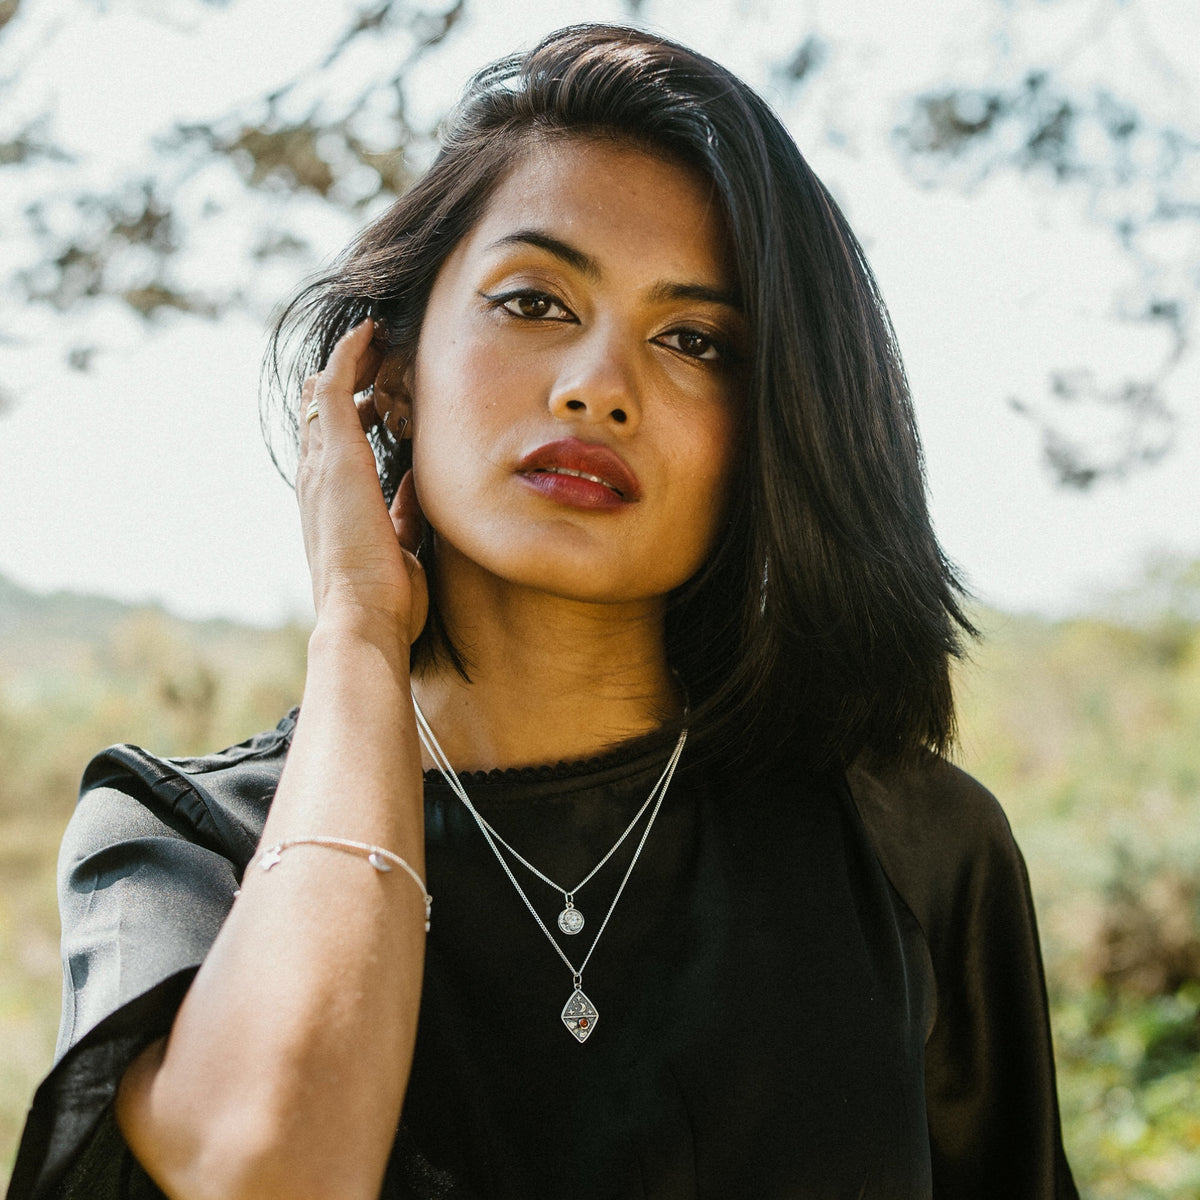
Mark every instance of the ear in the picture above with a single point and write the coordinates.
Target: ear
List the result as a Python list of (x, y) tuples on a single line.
[(393, 400)]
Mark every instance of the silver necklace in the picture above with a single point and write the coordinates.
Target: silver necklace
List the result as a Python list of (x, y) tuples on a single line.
[(571, 920), (579, 1014)]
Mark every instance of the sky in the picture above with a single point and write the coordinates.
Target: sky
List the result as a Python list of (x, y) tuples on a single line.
[(146, 477)]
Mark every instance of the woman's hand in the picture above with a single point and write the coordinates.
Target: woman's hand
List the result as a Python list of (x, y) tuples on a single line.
[(361, 556), (319, 963)]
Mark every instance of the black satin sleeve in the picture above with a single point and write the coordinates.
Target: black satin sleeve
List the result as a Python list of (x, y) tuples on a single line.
[(147, 873), (991, 1099)]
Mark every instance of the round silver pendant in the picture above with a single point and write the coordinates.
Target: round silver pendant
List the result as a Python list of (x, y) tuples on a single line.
[(570, 920)]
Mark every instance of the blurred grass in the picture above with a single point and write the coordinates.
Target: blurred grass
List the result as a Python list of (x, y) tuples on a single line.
[(1088, 730), (77, 674)]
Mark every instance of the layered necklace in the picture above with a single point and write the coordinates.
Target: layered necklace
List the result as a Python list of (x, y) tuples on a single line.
[(579, 1014)]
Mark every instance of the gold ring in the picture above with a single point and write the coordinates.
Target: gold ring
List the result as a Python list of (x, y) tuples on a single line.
[(313, 411)]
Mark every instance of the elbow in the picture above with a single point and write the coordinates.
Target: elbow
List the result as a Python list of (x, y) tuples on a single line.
[(202, 1150), (265, 1167), (244, 1158)]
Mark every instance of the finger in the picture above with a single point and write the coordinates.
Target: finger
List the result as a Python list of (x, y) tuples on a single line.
[(307, 394), (351, 359), (406, 515), (369, 362)]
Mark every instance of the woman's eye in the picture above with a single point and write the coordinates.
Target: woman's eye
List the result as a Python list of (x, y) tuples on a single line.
[(533, 306), (694, 344)]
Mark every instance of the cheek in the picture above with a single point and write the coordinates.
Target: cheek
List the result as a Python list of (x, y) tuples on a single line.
[(708, 467), (716, 453), (472, 384)]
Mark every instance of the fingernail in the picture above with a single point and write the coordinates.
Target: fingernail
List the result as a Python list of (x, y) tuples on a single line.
[(357, 328)]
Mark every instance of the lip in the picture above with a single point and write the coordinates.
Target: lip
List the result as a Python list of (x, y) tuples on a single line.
[(582, 474)]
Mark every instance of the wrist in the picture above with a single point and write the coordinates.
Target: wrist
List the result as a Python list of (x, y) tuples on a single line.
[(347, 630)]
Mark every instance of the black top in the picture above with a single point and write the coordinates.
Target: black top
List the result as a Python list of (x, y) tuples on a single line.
[(810, 988)]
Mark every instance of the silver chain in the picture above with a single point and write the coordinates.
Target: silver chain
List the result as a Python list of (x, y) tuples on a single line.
[(430, 742), (615, 847)]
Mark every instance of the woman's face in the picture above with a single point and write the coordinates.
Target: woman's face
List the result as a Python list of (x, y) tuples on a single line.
[(575, 394)]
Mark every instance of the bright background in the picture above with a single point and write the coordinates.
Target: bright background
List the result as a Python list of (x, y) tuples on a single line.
[(145, 476)]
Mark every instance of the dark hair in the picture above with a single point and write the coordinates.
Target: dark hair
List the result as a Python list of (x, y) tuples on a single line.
[(824, 623)]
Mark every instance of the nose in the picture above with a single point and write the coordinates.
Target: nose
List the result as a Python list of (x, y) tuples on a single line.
[(597, 380)]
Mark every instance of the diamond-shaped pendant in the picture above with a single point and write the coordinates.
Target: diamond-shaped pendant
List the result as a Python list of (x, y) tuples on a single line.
[(580, 1016)]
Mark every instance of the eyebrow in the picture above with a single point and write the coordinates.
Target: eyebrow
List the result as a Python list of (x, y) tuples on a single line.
[(587, 265), (572, 256), (695, 291)]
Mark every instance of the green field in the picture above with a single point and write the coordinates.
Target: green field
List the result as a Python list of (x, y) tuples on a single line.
[(1087, 730)]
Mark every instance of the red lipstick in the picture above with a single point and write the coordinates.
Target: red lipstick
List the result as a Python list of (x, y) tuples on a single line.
[(580, 475)]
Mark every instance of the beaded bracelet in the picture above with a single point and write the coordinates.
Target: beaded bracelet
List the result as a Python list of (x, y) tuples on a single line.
[(267, 856)]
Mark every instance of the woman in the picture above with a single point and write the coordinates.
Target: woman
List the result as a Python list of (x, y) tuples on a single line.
[(658, 581)]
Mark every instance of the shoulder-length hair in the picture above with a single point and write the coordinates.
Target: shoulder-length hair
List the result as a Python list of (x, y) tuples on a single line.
[(823, 625)]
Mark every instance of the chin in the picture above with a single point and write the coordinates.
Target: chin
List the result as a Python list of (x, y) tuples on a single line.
[(565, 562), (587, 586)]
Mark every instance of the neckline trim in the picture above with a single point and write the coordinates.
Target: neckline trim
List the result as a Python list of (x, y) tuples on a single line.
[(647, 747)]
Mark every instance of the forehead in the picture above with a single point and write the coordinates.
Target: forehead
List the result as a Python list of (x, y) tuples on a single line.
[(608, 195)]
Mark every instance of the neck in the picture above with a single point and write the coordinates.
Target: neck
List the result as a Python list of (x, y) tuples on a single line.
[(550, 679)]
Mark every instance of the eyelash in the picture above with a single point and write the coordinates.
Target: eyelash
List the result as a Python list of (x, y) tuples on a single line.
[(505, 300), (717, 350)]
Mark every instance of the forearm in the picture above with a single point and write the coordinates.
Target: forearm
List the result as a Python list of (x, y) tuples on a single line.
[(285, 1070)]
